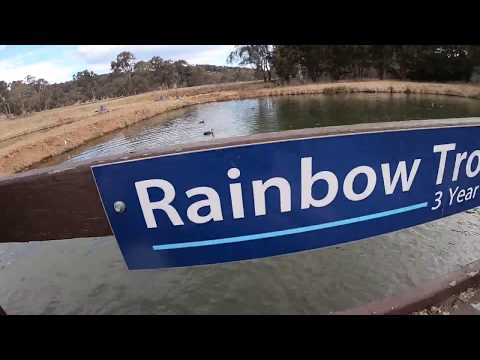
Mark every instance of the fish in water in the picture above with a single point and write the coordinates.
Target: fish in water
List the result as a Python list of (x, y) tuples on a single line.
[(210, 132), (202, 122)]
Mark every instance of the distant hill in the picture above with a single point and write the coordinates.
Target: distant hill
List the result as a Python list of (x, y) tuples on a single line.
[(31, 95)]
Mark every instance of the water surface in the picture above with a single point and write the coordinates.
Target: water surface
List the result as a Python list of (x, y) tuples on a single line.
[(247, 117), (88, 276)]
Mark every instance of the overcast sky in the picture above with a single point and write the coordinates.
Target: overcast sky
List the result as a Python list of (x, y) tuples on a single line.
[(58, 63)]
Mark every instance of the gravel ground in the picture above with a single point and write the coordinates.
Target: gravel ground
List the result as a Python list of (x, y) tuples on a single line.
[(465, 303)]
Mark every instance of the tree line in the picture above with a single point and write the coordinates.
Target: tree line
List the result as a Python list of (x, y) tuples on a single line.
[(283, 62), (337, 62), (127, 77)]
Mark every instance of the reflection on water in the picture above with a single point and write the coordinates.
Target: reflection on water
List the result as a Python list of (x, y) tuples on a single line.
[(88, 276)]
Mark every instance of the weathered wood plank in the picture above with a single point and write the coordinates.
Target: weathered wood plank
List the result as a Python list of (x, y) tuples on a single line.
[(62, 202), (51, 205)]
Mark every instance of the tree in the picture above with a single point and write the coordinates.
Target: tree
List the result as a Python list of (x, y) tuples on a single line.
[(339, 60), (143, 66), (29, 79), (361, 60), (183, 73), (198, 76), (381, 59), (435, 62), (87, 81), (127, 77), (4, 98), (124, 63), (19, 95), (164, 71), (41, 98), (286, 61), (260, 56), (422, 63)]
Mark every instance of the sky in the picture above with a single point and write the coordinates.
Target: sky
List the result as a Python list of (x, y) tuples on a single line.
[(58, 63)]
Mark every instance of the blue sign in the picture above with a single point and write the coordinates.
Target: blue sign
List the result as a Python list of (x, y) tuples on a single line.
[(259, 200)]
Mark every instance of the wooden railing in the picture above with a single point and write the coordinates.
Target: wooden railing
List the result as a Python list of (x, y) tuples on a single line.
[(62, 202)]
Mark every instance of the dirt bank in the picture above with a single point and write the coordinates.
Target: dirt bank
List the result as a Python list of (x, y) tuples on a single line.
[(31, 139)]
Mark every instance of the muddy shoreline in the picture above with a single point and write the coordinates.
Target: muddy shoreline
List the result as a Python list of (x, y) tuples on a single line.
[(27, 141)]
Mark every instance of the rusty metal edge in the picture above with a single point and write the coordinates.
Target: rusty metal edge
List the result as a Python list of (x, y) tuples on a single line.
[(421, 297)]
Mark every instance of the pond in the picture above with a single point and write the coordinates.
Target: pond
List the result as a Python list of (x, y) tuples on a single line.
[(89, 276), (247, 117)]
